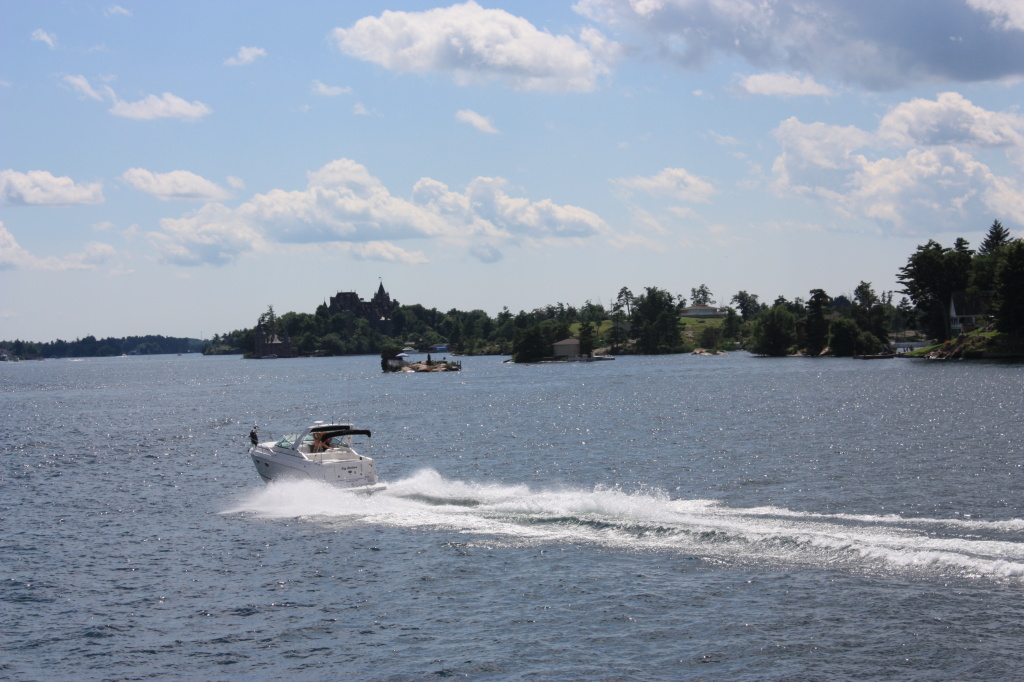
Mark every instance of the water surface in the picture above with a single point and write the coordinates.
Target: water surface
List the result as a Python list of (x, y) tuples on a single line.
[(678, 517)]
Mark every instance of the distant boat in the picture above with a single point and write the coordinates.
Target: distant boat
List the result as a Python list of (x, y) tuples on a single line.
[(879, 356)]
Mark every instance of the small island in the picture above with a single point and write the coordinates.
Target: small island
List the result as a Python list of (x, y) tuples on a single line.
[(392, 361)]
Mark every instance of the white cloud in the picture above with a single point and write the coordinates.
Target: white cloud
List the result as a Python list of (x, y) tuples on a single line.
[(80, 84), (481, 123), (912, 172), (1007, 15), (117, 10), (245, 55), (478, 45), (177, 185), (853, 42), (236, 183), (329, 90), (41, 188), (14, 257), (677, 183), (42, 36), (164, 106), (213, 235), (345, 205), (782, 84), (951, 119), (386, 252)]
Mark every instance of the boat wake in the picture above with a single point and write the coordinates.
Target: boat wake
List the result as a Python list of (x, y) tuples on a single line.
[(651, 521)]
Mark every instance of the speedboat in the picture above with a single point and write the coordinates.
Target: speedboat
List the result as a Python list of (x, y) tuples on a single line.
[(322, 452)]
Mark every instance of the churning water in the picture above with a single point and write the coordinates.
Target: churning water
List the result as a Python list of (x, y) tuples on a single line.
[(650, 518)]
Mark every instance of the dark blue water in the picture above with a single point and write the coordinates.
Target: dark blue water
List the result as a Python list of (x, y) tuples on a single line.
[(649, 518)]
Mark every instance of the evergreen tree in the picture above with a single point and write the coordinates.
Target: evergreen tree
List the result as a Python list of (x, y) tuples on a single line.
[(586, 339), (816, 326), (656, 322), (774, 332), (930, 277), (842, 337), (731, 325), (997, 237), (1010, 289)]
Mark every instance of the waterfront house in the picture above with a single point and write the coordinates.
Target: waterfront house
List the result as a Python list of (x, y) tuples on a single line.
[(967, 312), (566, 349)]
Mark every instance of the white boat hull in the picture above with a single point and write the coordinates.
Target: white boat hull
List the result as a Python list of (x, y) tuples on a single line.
[(344, 473), (304, 457)]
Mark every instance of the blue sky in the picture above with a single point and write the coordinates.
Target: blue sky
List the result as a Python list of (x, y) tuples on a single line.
[(175, 168)]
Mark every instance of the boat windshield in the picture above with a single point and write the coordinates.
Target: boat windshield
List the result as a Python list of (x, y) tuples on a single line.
[(287, 441)]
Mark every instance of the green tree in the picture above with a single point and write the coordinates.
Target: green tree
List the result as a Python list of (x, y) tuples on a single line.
[(731, 325), (869, 312), (625, 301), (774, 332), (701, 295), (842, 337), (1010, 289), (748, 305), (996, 238), (816, 327), (586, 339), (656, 322), (930, 277)]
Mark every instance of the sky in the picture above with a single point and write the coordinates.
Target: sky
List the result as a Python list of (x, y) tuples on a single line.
[(175, 168)]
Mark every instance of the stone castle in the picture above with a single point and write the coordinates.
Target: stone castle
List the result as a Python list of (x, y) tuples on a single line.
[(378, 311)]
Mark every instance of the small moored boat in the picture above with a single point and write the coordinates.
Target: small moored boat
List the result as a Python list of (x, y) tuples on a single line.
[(322, 452)]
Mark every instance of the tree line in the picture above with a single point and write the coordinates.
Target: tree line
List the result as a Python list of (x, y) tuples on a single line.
[(90, 347), (651, 322)]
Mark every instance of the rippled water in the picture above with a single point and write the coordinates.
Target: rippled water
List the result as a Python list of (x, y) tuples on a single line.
[(649, 518)]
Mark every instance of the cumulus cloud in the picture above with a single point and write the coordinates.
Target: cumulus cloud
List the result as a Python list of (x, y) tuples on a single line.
[(951, 119), (853, 42), (14, 257), (166, 105), (245, 55), (782, 84), (163, 106), (213, 235), (481, 123), (344, 205), (177, 185), (916, 172), (41, 188), (478, 45), (319, 88), (42, 36), (677, 183)]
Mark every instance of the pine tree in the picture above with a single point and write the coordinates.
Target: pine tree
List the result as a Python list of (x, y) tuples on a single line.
[(997, 237)]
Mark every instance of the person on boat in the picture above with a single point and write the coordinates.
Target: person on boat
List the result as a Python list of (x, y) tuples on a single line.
[(253, 438)]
